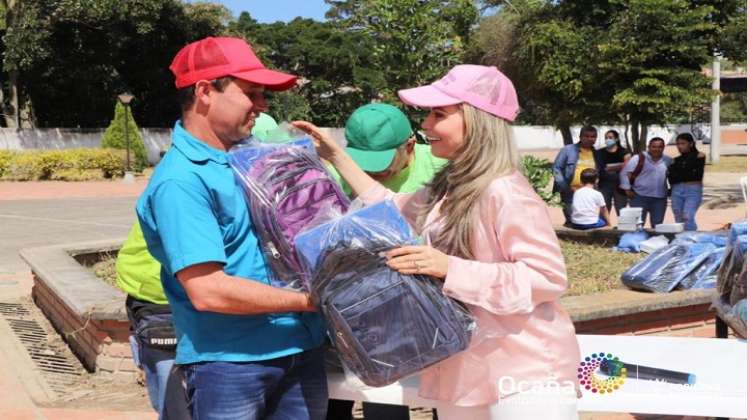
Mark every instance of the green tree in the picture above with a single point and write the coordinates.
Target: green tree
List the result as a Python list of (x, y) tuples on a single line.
[(73, 56), (334, 67), (114, 137), (651, 57), (413, 41), (636, 62)]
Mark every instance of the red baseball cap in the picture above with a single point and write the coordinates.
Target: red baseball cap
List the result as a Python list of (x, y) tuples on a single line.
[(213, 58)]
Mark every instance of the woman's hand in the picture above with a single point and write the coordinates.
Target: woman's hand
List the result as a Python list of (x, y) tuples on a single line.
[(326, 147), (419, 259)]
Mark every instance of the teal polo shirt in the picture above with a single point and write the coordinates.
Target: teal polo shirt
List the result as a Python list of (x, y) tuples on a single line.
[(194, 211)]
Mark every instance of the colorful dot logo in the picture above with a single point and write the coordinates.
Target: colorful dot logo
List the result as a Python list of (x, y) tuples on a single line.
[(612, 378)]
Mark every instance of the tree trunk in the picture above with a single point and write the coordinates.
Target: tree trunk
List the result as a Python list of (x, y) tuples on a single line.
[(565, 131), (11, 111), (644, 137), (634, 132)]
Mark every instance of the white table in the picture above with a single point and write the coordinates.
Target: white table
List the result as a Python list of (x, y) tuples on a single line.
[(720, 367)]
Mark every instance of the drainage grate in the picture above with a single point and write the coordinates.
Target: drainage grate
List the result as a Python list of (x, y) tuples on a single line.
[(59, 367), (13, 309)]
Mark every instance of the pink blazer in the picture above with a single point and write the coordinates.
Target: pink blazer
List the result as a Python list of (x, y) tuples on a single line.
[(524, 336)]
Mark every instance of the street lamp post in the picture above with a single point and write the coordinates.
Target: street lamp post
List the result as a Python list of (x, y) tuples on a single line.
[(126, 98)]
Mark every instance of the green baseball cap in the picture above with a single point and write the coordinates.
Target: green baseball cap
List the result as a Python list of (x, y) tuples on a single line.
[(374, 132), (263, 125)]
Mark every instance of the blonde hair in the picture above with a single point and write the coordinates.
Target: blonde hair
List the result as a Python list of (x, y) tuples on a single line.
[(489, 151)]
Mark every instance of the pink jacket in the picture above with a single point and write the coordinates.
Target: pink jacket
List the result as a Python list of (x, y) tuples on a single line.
[(512, 288)]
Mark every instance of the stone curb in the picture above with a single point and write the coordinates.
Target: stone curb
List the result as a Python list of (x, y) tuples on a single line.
[(79, 288)]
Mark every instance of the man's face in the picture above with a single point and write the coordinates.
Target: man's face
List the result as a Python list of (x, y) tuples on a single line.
[(588, 139), (399, 163), (656, 149), (232, 112)]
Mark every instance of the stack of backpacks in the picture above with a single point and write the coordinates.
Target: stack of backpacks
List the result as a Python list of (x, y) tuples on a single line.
[(311, 244)]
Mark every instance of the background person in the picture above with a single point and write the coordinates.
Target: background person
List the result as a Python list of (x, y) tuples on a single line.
[(613, 158), (686, 179), (491, 241), (589, 210), (646, 185), (568, 164)]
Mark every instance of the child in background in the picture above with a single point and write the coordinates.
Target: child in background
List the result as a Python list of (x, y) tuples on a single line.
[(589, 210)]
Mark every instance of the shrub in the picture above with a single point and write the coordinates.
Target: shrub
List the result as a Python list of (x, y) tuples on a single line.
[(539, 173), (5, 157), (114, 138), (65, 165)]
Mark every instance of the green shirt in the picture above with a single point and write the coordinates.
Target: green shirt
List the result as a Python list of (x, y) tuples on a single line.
[(418, 173), (138, 273)]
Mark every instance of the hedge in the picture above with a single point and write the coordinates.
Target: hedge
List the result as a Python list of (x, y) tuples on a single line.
[(62, 165)]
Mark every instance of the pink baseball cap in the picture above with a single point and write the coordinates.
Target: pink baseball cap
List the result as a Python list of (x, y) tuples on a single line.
[(212, 58), (483, 87)]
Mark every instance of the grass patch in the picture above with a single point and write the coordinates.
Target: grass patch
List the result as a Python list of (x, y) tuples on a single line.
[(733, 164), (594, 268), (106, 269)]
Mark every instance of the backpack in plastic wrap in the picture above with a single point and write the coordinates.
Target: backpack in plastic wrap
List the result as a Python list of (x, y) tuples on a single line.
[(288, 188), (664, 269), (384, 324)]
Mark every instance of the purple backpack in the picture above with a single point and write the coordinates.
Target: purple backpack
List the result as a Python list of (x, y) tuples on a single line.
[(287, 188)]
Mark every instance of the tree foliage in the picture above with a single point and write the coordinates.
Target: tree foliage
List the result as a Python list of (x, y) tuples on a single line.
[(114, 137), (635, 62), (413, 41), (74, 56)]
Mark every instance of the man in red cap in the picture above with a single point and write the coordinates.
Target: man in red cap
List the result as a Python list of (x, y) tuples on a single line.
[(247, 350)]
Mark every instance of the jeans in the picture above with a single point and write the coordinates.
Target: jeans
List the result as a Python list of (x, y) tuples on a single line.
[(612, 193), (156, 364), (655, 207), (599, 224), (292, 387), (686, 199)]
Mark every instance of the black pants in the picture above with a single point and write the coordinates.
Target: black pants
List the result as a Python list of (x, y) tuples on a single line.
[(343, 410)]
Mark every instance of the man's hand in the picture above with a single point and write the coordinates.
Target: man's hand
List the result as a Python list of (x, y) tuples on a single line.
[(630, 194)]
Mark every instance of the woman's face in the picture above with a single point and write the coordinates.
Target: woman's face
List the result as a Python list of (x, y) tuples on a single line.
[(683, 146), (446, 131)]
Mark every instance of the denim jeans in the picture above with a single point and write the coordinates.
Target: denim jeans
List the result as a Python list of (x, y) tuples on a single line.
[(292, 387), (655, 207), (686, 199), (599, 224), (156, 364)]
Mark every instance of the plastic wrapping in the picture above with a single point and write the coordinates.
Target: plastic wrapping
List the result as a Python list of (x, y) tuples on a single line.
[(732, 276), (288, 188), (631, 242), (384, 324), (717, 238), (663, 270), (704, 275)]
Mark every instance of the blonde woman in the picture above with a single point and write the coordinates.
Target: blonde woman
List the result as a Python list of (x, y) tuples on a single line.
[(491, 241)]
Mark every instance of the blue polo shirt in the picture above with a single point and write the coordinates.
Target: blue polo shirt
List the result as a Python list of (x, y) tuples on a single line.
[(194, 211)]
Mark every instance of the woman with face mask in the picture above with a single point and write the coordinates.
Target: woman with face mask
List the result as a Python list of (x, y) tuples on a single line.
[(614, 157), (491, 241), (686, 179)]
